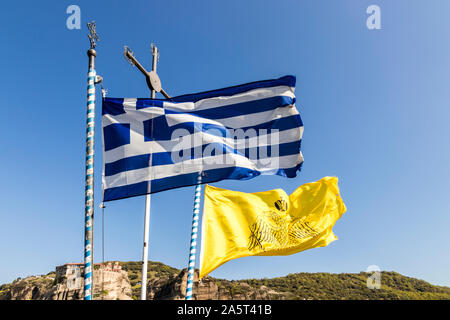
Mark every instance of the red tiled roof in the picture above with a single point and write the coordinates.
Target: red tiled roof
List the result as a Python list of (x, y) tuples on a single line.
[(79, 264)]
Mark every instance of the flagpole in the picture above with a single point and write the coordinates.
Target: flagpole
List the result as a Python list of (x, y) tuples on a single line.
[(154, 84), (194, 233), (89, 174), (148, 202)]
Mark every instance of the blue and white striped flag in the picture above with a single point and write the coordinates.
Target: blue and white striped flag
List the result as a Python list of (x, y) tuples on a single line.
[(238, 133)]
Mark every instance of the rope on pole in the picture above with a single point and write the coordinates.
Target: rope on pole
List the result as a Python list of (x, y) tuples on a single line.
[(194, 233), (89, 176), (89, 188)]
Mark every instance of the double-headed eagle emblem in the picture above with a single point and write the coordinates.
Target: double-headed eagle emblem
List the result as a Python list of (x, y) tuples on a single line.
[(279, 228)]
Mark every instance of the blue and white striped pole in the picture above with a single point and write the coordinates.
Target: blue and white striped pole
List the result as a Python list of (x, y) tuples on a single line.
[(89, 187), (194, 234)]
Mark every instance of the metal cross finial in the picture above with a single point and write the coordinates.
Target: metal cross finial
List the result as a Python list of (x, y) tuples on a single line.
[(93, 36), (152, 79)]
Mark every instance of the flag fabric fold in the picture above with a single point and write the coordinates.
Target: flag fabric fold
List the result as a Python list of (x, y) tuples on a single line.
[(237, 224), (240, 132)]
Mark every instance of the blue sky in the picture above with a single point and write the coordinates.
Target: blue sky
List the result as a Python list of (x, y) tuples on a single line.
[(375, 104)]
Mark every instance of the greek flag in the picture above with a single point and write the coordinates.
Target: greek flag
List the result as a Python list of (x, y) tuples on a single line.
[(240, 132)]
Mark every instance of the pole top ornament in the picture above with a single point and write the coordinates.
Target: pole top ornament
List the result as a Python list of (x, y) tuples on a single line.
[(93, 37)]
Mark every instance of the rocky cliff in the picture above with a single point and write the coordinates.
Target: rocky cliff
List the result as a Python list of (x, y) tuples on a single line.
[(108, 285), (208, 288)]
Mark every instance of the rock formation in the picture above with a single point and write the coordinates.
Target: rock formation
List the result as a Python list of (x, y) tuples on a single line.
[(67, 284), (174, 288)]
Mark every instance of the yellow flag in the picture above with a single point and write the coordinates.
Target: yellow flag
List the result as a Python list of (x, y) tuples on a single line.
[(237, 224)]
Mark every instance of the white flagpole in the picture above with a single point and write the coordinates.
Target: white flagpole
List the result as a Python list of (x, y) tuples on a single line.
[(154, 84), (147, 203)]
